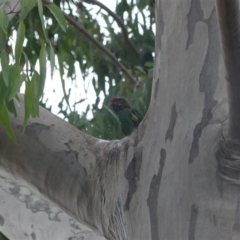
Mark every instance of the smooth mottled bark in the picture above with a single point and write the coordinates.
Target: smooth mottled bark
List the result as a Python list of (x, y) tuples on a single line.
[(173, 177), (25, 215)]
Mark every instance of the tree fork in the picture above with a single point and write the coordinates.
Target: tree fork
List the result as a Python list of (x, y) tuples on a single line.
[(91, 166)]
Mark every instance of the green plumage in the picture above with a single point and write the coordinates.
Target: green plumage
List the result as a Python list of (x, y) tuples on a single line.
[(128, 116)]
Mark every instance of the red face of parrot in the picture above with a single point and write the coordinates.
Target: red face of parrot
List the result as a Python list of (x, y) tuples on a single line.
[(118, 103)]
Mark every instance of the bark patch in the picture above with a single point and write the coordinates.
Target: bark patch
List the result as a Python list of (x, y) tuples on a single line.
[(74, 224), (219, 183), (193, 222), (33, 235), (237, 216), (214, 220), (195, 15), (33, 204), (173, 119), (15, 190), (160, 24), (35, 129), (78, 176), (152, 200), (207, 83), (156, 88), (132, 175), (1, 220)]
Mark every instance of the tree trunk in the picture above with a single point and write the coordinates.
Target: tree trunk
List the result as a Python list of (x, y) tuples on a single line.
[(162, 182)]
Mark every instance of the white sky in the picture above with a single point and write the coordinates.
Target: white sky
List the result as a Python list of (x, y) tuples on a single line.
[(79, 89)]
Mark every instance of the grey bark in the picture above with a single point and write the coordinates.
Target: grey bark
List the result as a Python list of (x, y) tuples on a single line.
[(26, 216), (229, 20), (176, 177)]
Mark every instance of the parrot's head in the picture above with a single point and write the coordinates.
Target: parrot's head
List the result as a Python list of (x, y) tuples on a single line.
[(118, 104)]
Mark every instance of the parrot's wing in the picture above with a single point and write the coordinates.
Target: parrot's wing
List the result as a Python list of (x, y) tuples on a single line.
[(125, 118), (125, 133), (129, 119), (136, 116)]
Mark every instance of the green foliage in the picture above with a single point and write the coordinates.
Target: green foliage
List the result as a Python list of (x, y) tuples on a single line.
[(3, 28), (26, 7), (58, 15), (3, 19), (19, 42), (3, 38), (40, 11), (49, 37), (5, 66), (4, 118), (3, 237), (21, 68)]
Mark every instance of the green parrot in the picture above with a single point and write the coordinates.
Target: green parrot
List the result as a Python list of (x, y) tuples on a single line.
[(128, 116)]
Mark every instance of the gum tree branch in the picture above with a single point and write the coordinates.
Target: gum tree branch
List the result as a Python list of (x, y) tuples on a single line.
[(229, 22), (84, 32), (87, 35), (119, 22)]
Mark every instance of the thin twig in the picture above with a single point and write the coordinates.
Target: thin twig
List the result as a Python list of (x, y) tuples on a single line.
[(84, 32), (119, 22)]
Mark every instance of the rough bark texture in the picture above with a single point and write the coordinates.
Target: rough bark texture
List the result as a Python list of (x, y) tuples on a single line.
[(163, 182)]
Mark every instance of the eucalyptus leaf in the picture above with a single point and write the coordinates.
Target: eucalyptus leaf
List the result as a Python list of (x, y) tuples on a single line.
[(3, 237), (36, 85), (29, 99), (19, 42), (4, 119), (3, 91), (3, 18), (5, 66), (11, 107), (3, 38), (61, 69), (52, 60), (58, 15), (43, 70), (40, 11), (26, 7), (16, 84)]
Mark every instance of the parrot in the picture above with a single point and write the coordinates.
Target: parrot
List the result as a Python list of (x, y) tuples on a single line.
[(128, 116)]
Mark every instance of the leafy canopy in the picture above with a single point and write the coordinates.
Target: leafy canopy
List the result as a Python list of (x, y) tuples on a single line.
[(116, 54)]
